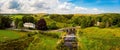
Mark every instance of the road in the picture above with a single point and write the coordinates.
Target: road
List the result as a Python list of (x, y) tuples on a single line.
[(62, 29), (58, 30)]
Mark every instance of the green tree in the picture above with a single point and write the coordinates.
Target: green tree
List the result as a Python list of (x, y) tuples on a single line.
[(68, 16), (20, 24), (28, 18), (58, 18), (83, 22), (52, 25), (90, 21), (5, 22), (17, 20)]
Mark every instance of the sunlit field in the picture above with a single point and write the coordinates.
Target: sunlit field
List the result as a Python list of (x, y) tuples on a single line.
[(43, 43), (94, 38), (9, 35)]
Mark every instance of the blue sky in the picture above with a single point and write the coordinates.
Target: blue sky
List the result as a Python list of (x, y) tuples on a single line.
[(60, 6), (94, 3), (107, 5)]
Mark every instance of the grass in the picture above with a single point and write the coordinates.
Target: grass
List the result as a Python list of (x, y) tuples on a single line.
[(17, 16), (94, 38), (102, 32), (9, 35), (42, 42), (48, 43), (53, 34)]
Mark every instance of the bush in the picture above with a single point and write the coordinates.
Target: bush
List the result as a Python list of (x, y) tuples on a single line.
[(52, 26), (53, 35), (102, 25)]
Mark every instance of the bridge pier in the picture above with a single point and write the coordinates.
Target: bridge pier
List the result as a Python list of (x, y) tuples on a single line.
[(70, 40)]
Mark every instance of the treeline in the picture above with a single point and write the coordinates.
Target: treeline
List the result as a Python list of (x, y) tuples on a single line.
[(41, 21), (61, 18), (100, 20)]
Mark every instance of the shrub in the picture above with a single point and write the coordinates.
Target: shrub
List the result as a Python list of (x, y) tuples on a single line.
[(41, 25), (52, 26), (102, 25)]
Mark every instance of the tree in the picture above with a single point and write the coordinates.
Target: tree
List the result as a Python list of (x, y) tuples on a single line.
[(52, 26), (76, 21), (20, 24), (90, 21), (83, 23), (69, 16), (58, 18), (5, 22), (28, 18), (17, 20), (41, 24)]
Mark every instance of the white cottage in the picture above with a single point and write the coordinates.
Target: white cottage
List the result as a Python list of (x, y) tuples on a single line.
[(29, 25)]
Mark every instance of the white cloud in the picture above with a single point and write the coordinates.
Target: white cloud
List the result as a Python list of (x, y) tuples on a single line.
[(42, 6), (81, 8), (95, 9), (64, 6)]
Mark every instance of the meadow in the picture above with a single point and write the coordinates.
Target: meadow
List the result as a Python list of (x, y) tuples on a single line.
[(42, 42), (91, 38), (38, 40), (9, 35), (94, 38)]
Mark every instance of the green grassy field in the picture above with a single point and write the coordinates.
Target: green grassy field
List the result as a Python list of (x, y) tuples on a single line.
[(45, 41), (94, 38), (16, 16), (9, 35), (42, 42), (91, 38)]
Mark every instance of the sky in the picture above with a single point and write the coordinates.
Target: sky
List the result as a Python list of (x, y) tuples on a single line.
[(60, 6)]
